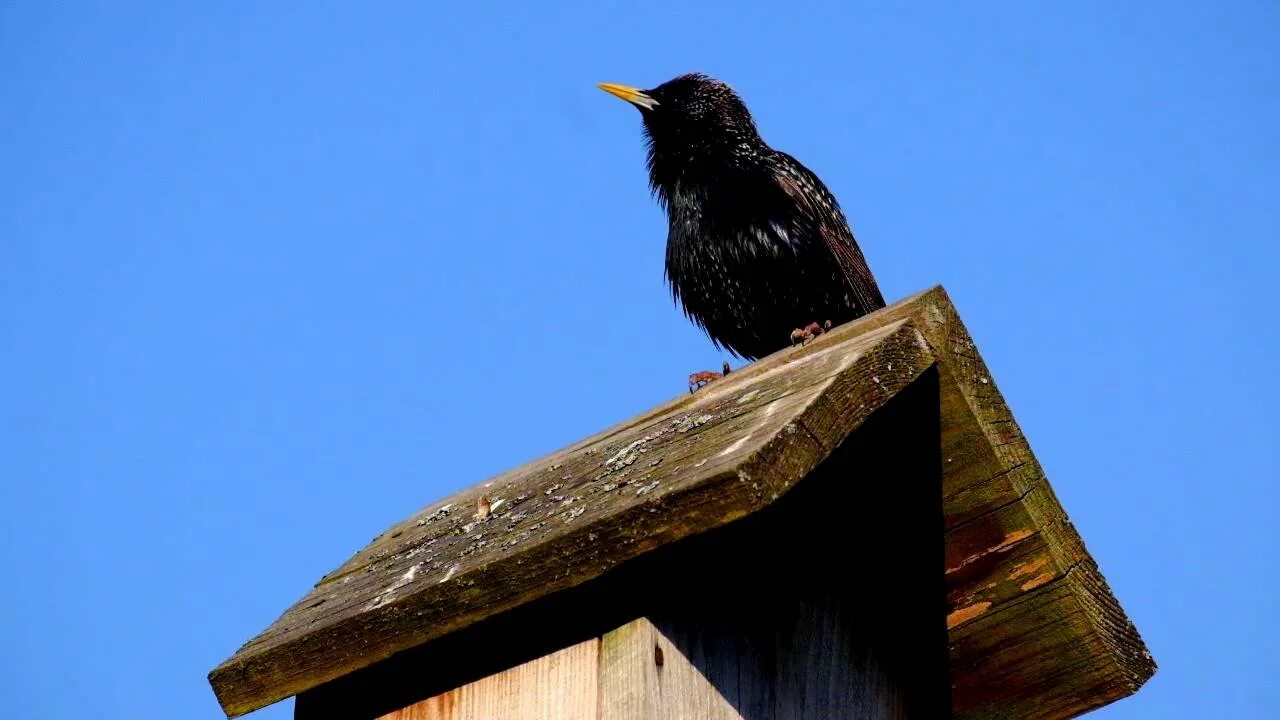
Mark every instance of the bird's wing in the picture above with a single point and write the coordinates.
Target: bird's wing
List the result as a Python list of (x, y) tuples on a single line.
[(824, 216)]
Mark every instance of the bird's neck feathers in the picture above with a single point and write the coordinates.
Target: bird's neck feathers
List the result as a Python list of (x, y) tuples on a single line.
[(692, 163)]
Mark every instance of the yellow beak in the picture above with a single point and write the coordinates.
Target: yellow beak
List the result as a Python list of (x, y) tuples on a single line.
[(635, 96)]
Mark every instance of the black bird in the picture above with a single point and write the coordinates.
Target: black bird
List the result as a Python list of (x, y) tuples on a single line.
[(756, 245)]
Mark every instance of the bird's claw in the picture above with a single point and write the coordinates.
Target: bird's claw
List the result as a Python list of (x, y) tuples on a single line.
[(801, 336), (701, 378)]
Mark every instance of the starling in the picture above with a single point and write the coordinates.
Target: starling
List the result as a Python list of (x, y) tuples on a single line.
[(756, 244)]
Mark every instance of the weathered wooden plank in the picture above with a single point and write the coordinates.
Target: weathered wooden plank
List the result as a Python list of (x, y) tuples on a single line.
[(700, 462), (743, 586), (562, 685), (711, 459), (802, 662), (607, 475), (629, 664), (1008, 536), (812, 665)]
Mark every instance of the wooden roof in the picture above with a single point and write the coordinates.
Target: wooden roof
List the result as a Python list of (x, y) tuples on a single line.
[(1033, 629)]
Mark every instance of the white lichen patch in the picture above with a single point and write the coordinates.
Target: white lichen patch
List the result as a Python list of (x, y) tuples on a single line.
[(689, 422), (389, 594), (406, 578), (440, 513), (735, 446), (631, 452), (627, 455)]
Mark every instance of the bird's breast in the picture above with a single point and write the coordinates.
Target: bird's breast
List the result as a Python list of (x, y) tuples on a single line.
[(722, 257)]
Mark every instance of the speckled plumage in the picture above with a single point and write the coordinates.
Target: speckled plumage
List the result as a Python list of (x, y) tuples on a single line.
[(757, 246)]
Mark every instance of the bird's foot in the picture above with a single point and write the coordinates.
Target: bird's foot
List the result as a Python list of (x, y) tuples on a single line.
[(801, 336), (701, 378)]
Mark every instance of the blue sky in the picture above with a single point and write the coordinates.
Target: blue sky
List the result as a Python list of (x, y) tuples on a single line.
[(273, 276)]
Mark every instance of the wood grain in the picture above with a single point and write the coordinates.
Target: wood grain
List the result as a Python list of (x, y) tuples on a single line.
[(727, 452), (813, 668), (1009, 543), (703, 461), (755, 607), (810, 667), (562, 685)]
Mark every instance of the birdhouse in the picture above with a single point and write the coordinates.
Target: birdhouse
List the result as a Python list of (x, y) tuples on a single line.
[(852, 528)]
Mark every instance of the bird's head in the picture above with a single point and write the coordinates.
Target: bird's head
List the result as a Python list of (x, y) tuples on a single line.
[(690, 118), (689, 105)]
